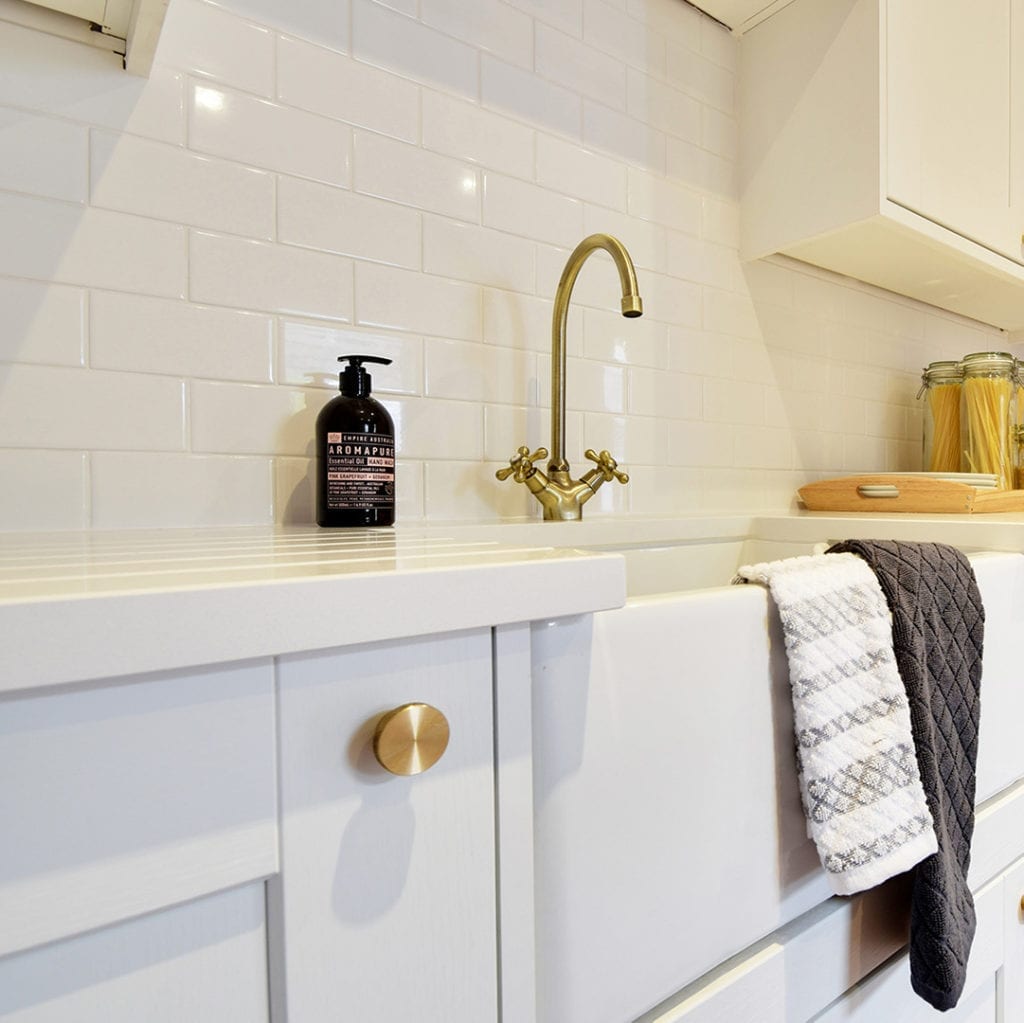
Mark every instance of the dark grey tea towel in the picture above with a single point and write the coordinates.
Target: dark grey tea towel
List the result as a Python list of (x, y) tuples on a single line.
[(938, 631)]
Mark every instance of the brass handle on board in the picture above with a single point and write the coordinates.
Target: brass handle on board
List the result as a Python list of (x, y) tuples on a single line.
[(410, 739)]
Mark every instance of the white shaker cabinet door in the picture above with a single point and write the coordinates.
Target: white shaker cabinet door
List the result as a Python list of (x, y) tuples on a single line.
[(950, 77), (1013, 903), (385, 908)]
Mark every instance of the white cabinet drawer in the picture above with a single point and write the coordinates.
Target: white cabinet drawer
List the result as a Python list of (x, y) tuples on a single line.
[(385, 906), (124, 797), (204, 962)]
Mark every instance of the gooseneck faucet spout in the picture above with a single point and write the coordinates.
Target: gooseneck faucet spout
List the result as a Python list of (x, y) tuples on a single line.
[(562, 497), (632, 305)]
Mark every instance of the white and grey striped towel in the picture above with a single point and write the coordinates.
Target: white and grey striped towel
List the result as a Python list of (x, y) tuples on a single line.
[(859, 779)]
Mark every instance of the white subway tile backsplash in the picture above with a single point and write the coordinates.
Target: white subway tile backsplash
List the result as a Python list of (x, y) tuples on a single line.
[(632, 342), (663, 202), (524, 209), (518, 93), (243, 419), (574, 64), (665, 395), (309, 355), (490, 25), (662, 106), (413, 50), (43, 489), (523, 321), (187, 255), (409, 175), (611, 29), (43, 323), (155, 335), (404, 300), (256, 131), (623, 136), (273, 278), (332, 219), (51, 407), (59, 77), (68, 244), (434, 428), (331, 83), (468, 132), (484, 373), (132, 491), (43, 156), (592, 176), (479, 255), (208, 41), (165, 182)]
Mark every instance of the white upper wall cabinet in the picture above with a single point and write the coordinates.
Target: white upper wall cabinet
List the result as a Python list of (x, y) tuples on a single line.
[(883, 141), (129, 28)]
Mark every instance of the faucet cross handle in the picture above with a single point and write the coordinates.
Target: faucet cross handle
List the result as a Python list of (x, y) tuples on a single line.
[(607, 466), (521, 464)]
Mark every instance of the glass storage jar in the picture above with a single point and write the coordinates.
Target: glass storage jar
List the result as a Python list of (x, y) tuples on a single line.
[(940, 435), (989, 419)]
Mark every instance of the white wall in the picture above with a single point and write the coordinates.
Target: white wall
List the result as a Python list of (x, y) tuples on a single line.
[(183, 258)]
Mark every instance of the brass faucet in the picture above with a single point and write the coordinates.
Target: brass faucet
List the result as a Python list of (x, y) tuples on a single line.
[(560, 495)]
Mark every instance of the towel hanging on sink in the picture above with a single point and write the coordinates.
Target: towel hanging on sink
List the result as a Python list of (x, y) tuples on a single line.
[(938, 628), (859, 779)]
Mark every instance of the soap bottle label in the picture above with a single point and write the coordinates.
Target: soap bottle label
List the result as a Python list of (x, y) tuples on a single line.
[(360, 471)]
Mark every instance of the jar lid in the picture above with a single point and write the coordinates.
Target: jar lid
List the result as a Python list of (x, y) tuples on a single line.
[(988, 362), (945, 369)]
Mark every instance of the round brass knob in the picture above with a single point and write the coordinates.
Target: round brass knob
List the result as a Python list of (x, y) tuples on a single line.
[(410, 739)]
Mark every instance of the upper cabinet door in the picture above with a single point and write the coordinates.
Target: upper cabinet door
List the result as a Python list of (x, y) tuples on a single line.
[(949, 108)]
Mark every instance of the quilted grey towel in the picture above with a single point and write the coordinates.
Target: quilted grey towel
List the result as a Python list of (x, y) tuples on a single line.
[(938, 625), (859, 782)]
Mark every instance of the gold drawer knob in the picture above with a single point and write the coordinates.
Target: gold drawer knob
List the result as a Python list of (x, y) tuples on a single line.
[(410, 739)]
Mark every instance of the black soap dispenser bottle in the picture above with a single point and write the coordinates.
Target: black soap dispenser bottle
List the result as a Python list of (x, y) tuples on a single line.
[(355, 453)]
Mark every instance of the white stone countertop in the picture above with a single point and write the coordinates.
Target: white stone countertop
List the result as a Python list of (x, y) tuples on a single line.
[(76, 606)]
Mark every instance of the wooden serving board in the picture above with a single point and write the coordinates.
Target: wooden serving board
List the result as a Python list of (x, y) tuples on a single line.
[(914, 494)]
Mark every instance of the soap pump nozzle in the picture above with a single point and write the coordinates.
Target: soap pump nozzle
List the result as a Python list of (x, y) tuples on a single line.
[(353, 380)]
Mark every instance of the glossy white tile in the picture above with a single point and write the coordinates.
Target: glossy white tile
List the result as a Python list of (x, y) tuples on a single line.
[(76, 409), (479, 373), (275, 278), (332, 219), (608, 337), (734, 401), (702, 262), (43, 490), (132, 491), (590, 386), (479, 255), (331, 83), (524, 321), (585, 173), (489, 25), (43, 156), (411, 176), (242, 419), (413, 50), (466, 491), (672, 300), (521, 208), (665, 395), (153, 335), (326, 21), (206, 40), (165, 182), (703, 79), (404, 300), (43, 323), (719, 133), (623, 136), (521, 94), (566, 15), (580, 67), (670, 18), (631, 440), (309, 356), (655, 198), (256, 131), (68, 244), (611, 29), (689, 164), (699, 444), (436, 428), (467, 132), (644, 239), (662, 106), (63, 78)]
